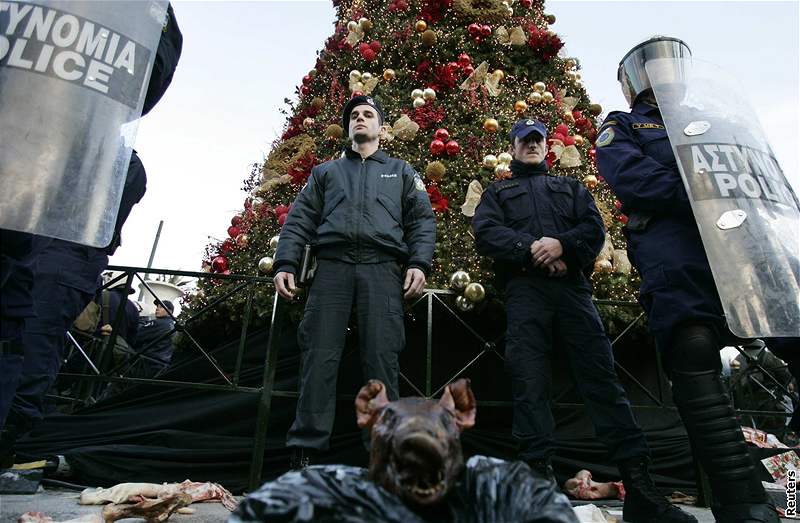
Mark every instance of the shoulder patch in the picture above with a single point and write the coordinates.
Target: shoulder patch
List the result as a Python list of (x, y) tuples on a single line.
[(506, 185), (605, 138), (418, 183)]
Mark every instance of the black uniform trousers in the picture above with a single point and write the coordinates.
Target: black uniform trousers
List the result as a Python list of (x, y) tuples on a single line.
[(546, 314), (376, 290)]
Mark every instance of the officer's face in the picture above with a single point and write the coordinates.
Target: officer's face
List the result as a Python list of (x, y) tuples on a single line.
[(530, 149), (365, 124), (161, 312)]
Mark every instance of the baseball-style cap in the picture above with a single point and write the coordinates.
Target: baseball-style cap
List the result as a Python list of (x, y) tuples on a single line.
[(167, 305), (355, 102), (523, 128)]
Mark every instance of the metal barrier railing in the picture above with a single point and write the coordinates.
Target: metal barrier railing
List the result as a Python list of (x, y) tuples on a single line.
[(106, 371)]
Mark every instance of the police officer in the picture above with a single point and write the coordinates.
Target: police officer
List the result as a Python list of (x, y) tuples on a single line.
[(45, 295), (544, 233), (372, 228), (677, 292)]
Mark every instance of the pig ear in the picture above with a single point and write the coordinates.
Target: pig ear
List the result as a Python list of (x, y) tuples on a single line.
[(371, 398), (458, 398)]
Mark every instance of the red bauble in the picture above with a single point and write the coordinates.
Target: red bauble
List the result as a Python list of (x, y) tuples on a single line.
[(618, 204), (526, 3), (282, 218), (577, 115), (369, 55), (281, 209), (357, 93), (561, 129), (452, 66), (219, 264), (227, 246), (486, 31), (441, 134), (306, 80), (464, 59), (437, 147), (569, 140), (363, 46), (468, 70), (474, 29), (304, 90), (375, 46), (236, 220), (582, 123), (452, 148), (623, 218), (593, 155), (234, 231)]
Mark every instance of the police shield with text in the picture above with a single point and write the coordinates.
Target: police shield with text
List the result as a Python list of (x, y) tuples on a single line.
[(711, 269)]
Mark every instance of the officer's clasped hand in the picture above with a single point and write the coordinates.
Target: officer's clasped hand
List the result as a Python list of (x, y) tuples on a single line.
[(284, 284), (557, 269), (545, 251), (414, 284)]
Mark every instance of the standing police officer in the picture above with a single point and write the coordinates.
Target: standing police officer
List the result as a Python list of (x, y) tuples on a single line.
[(677, 292), (543, 232), (370, 222)]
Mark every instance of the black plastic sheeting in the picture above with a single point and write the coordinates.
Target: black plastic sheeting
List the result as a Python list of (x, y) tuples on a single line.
[(489, 491), (164, 434)]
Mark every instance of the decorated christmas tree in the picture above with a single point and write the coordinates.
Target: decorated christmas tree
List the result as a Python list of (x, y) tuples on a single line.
[(452, 76)]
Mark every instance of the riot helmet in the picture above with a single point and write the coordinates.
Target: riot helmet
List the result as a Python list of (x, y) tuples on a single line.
[(633, 76)]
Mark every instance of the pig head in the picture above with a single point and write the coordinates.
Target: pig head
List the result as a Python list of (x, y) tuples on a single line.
[(416, 450)]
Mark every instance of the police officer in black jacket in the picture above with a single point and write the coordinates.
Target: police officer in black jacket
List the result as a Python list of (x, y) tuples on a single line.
[(544, 232), (370, 222)]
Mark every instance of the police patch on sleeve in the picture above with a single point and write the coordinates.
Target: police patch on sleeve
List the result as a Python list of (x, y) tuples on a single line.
[(418, 183), (605, 138)]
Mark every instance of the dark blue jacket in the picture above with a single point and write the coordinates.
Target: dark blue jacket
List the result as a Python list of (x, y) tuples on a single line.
[(513, 213), (155, 336), (360, 211)]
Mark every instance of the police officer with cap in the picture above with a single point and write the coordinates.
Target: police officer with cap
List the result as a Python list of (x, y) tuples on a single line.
[(372, 229), (677, 292), (544, 233)]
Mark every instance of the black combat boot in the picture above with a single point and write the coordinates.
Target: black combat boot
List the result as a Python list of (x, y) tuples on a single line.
[(644, 503), (717, 441), (302, 457), (543, 468), (8, 436)]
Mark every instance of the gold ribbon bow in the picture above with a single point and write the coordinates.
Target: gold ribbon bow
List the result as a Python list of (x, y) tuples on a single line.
[(481, 77), (473, 198), (515, 37)]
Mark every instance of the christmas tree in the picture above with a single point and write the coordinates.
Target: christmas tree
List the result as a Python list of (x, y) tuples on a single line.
[(452, 76)]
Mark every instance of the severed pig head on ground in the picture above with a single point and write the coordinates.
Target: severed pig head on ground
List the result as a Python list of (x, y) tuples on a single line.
[(416, 447)]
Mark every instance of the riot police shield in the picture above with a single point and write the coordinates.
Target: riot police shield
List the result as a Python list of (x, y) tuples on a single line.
[(746, 211), (73, 77)]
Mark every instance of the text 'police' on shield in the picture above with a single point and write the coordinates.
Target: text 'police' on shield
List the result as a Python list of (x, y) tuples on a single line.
[(63, 46)]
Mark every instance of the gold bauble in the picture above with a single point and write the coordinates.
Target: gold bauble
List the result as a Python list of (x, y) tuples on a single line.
[(578, 140), (308, 122), (421, 25), (459, 280), (572, 75), (603, 266), (273, 242), (520, 106), (334, 131), (265, 264), (569, 63), (595, 109), (535, 97), (366, 25), (568, 117), (366, 77), (590, 181), (551, 19), (547, 97), (500, 168), (490, 125), (499, 74), (578, 76), (388, 75), (435, 171), (463, 304), (474, 292), (429, 38), (242, 240), (355, 75), (317, 103), (505, 158), (416, 93), (419, 102), (429, 94), (540, 87), (490, 161), (352, 25)]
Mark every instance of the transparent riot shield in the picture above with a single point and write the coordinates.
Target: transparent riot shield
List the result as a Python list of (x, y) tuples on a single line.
[(746, 211), (73, 77)]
